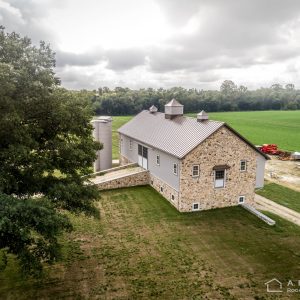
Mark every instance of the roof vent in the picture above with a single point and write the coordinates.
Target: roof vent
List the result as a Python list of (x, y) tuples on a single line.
[(153, 109), (173, 109), (202, 116)]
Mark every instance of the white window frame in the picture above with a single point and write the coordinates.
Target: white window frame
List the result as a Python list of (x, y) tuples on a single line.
[(157, 159), (193, 206), (198, 171), (130, 144), (239, 198), (243, 161), (175, 167), (224, 180)]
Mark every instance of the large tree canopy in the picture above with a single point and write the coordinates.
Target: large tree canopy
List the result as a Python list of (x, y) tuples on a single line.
[(46, 146)]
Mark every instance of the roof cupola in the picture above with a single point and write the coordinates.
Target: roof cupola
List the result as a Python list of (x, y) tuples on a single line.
[(173, 109)]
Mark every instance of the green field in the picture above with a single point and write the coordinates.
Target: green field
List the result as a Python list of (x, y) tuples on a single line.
[(143, 248), (282, 195), (260, 127)]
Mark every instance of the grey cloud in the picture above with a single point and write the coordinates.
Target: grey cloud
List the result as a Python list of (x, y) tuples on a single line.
[(125, 59), (26, 21), (73, 59), (178, 12), (232, 34)]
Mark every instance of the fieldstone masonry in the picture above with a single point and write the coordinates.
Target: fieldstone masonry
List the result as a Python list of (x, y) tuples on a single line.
[(167, 191), (222, 148), (139, 178)]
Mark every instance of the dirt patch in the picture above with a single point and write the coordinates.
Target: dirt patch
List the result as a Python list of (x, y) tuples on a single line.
[(286, 173)]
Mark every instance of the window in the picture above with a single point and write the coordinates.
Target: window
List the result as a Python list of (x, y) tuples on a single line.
[(219, 178), (175, 169), (161, 189), (157, 159), (243, 166), (151, 182), (130, 144), (140, 150), (172, 197), (242, 199), (195, 206), (196, 171)]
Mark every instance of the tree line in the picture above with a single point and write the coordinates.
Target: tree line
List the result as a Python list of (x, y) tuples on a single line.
[(230, 97)]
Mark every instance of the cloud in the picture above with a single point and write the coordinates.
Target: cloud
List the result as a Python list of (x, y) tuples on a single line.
[(201, 43), (125, 59), (91, 58)]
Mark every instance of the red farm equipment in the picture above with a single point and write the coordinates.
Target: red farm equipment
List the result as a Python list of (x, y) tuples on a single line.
[(270, 149)]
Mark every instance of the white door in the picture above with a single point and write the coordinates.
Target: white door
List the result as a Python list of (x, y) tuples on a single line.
[(143, 156)]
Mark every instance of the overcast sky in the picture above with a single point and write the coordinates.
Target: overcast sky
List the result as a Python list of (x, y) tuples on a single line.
[(164, 43)]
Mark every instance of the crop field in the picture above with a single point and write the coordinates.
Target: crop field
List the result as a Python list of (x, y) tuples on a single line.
[(260, 127), (143, 248)]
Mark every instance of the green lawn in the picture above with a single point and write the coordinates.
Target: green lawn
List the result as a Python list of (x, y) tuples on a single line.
[(260, 127), (282, 195), (116, 124), (142, 248)]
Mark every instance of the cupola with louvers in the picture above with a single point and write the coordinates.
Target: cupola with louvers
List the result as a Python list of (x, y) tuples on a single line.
[(173, 109)]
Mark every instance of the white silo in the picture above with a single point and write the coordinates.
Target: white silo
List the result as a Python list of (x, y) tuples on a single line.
[(103, 134)]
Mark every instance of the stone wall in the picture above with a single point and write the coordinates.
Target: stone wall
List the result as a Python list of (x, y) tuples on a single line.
[(166, 191), (124, 160), (221, 148), (139, 178)]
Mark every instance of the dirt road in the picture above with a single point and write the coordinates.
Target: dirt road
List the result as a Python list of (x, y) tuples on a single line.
[(263, 203), (286, 173)]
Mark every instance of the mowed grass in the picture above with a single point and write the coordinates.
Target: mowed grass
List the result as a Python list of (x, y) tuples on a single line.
[(260, 127), (266, 127), (282, 195), (143, 248), (118, 121)]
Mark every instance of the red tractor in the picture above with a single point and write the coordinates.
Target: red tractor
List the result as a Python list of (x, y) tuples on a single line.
[(270, 149)]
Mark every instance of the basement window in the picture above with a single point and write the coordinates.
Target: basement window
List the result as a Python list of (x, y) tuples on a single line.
[(241, 199), (157, 160), (195, 206), (243, 166), (172, 197), (161, 189), (175, 169), (196, 171)]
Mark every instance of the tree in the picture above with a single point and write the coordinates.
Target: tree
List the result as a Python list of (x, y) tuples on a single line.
[(46, 146), (228, 87)]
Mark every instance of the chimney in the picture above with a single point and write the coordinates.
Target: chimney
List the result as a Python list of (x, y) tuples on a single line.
[(153, 109), (173, 109), (202, 116)]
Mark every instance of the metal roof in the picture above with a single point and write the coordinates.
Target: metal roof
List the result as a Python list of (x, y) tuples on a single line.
[(173, 102), (177, 136)]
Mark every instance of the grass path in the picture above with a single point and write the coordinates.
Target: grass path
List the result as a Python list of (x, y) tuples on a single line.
[(142, 248), (281, 195)]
